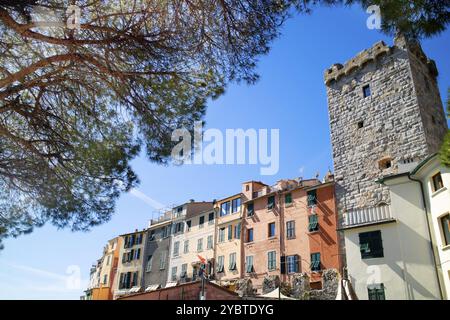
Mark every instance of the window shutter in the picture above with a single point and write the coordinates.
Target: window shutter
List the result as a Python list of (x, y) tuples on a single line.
[(296, 263), (230, 232), (283, 265)]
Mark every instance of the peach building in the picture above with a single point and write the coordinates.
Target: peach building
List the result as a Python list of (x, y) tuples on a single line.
[(286, 234), (228, 251)]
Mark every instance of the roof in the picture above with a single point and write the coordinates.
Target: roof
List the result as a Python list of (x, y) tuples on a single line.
[(196, 283), (138, 231), (423, 163), (276, 294), (410, 173)]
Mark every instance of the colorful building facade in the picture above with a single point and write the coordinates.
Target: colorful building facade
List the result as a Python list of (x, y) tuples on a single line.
[(228, 249)]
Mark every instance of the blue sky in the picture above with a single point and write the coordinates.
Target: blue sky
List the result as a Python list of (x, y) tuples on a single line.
[(290, 96)]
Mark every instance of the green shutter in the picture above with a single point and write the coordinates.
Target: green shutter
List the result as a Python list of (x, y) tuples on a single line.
[(288, 198), (312, 198), (313, 223)]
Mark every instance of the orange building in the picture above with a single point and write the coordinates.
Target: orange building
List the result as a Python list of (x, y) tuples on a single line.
[(103, 274), (289, 228)]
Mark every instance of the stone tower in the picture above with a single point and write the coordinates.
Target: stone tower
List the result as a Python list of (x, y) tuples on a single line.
[(385, 114)]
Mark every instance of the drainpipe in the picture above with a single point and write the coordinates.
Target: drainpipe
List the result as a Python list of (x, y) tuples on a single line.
[(281, 235), (429, 232)]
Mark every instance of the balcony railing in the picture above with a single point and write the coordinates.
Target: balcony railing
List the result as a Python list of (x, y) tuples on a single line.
[(368, 215)]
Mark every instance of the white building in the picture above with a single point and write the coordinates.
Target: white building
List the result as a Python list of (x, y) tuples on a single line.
[(401, 251), (186, 234), (436, 184)]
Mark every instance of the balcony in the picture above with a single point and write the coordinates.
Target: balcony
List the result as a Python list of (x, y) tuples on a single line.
[(367, 216)]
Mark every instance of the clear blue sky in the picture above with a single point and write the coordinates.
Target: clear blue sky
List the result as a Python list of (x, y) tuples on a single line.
[(290, 96)]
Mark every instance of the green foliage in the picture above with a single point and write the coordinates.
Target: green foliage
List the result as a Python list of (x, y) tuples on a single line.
[(76, 106), (445, 149), (414, 18)]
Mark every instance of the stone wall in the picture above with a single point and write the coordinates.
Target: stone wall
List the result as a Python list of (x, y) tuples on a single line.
[(330, 282)]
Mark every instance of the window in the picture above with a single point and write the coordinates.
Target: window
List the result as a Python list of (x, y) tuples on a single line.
[(271, 230), (232, 264), (165, 231), (250, 235), (174, 273), (315, 261), (270, 202), (186, 246), (313, 224), (105, 279), (201, 222), (148, 267), (188, 225), (179, 211), (237, 231), (230, 232), (162, 260), (250, 209), (183, 270), (199, 245), (385, 163), (176, 248), (137, 254), (221, 234), (371, 244), (360, 124), (249, 264), (271, 260), (220, 263), (288, 198), (225, 209), (108, 260), (376, 292), (292, 264), (151, 236), (437, 182), (312, 198), (134, 279), (139, 238), (247, 187), (445, 223), (209, 244), (235, 205), (366, 91), (211, 218), (290, 229), (180, 227)]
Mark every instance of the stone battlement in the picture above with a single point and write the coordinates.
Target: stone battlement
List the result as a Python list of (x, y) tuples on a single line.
[(337, 70)]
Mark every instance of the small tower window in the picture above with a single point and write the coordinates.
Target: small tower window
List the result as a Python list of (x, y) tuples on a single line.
[(385, 163), (360, 124), (433, 119), (366, 91)]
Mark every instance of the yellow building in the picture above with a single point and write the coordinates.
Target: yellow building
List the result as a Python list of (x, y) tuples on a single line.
[(129, 277), (228, 248)]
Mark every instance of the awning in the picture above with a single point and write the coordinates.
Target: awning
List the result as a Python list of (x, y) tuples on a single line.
[(152, 287), (121, 292), (171, 284), (275, 294), (135, 289)]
